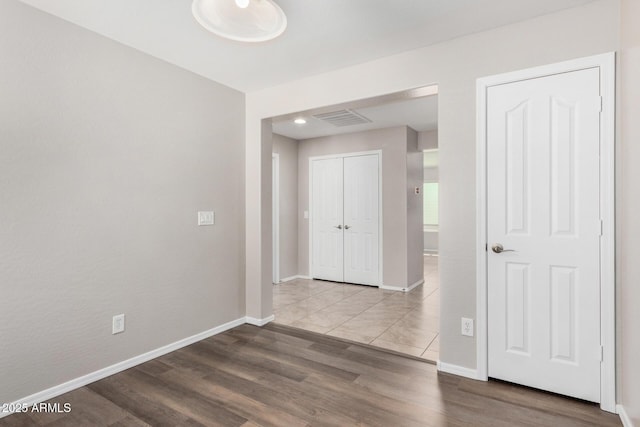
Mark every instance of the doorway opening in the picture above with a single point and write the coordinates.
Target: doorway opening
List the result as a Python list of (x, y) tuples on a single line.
[(400, 311)]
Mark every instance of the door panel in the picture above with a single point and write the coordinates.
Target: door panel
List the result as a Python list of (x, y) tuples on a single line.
[(517, 319), (517, 178), (327, 216), (361, 207), (543, 203)]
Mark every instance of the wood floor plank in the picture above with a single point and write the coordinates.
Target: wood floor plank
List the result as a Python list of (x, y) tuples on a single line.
[(183, 399), (242, 405), (257, 384), (130, 421), (588, 413), (138, 403), (279, 376), (249, 359), (273, 352), (282, 393)]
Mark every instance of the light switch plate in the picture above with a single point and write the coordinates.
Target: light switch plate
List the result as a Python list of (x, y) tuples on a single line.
[(117, 324), (206, 218)]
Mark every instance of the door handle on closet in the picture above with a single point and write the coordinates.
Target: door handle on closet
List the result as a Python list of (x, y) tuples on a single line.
[(346, 227), (498, 248), (339, 227)]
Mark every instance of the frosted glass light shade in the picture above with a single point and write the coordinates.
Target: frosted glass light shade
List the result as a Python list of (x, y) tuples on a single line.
[(261, 20)]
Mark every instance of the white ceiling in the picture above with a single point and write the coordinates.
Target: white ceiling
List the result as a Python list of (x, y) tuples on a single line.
[(322, 35), (420, 114)]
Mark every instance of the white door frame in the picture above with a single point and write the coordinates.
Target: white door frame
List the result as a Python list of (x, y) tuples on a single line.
[(380, 240), (275, 181), (606, 64)]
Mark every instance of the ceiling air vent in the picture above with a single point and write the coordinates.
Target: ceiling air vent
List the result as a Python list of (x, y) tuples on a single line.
[(342, 118)]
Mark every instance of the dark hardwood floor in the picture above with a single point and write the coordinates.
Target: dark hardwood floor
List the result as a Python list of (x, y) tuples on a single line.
[(279, 376)]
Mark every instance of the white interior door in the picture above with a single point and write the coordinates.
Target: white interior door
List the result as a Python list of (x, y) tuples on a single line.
[(345, 219), (361, 222), (327, 210), (543, 207)]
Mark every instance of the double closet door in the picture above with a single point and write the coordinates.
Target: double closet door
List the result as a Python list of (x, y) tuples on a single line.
[(345, 219)]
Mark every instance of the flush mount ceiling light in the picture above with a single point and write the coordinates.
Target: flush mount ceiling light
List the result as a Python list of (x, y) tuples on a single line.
[(299, 121), (241, 20)]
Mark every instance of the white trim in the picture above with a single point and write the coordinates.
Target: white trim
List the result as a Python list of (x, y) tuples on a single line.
[(259, 322), (275, 208), (402, 288), (310, 222), (624, 417), (607, 240), (457, 370), (288, 279), (76, 383), (380, 196), (606, 64), (343, 155)]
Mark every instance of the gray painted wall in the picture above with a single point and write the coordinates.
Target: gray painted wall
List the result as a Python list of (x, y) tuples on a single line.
[(393, 143), (106, 156), (628, 205), (431, 174), (287, 148), (428, 140), (415, 217), (430, 237), (454, 65), (430, 241)]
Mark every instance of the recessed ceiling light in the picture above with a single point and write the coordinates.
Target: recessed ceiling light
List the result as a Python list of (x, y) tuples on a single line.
[(241, 20), (300, 121)]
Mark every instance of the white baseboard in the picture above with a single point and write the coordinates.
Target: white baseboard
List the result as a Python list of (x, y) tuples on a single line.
[(458, 370), (288, 279), (402, 288), (68, 386), (259, 322), (626, 421)]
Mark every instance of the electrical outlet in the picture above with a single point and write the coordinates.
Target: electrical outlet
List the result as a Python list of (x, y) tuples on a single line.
[(467, 327), (118, 324)]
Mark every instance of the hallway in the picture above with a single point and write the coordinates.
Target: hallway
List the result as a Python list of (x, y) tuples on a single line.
[(403, 322)]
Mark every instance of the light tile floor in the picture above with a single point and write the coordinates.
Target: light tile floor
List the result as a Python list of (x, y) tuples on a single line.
[(403, 322)]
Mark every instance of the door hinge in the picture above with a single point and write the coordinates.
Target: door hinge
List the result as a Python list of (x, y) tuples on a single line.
[(599, 104), (486, 247), (601, 354), (601, 227)]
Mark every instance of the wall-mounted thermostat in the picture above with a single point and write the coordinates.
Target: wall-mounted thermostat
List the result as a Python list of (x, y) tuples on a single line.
[(206, 218)]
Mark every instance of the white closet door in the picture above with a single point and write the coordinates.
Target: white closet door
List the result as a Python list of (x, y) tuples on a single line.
[(361, 222), (327, 219), (543, 206)]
